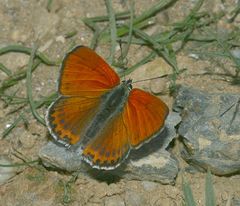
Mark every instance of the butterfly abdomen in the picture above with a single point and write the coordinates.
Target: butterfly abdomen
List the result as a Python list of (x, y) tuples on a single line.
[(112, 103)]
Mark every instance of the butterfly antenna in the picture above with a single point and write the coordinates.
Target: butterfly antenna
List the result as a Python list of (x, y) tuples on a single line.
[(143, 80)]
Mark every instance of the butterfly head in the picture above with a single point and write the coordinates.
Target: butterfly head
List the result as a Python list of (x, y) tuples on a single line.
[(128, 83)]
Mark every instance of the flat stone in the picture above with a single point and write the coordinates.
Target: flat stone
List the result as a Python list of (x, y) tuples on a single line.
[(158, 167), (55, 156), (210, 129), (151, 162)]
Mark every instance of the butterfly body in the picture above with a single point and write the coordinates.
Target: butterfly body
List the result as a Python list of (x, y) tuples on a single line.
[(111, 104), (97, 115)]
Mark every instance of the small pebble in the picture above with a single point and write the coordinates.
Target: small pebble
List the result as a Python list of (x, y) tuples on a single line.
[(6, 172), (134, 198), (115, 200), (149, 186)]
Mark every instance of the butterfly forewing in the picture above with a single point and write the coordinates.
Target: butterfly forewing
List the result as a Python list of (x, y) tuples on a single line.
[(86, 73), (84, 77)]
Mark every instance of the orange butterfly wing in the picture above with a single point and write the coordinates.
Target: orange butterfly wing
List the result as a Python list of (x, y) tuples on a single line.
[(68, 117), (144, 116), (86, 73), (108, 149), (85, 76)]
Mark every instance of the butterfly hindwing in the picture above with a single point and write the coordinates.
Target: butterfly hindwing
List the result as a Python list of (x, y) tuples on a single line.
[(110, 147), (84, 72)]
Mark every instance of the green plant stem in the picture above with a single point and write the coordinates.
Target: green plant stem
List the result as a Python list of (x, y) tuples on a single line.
[(113, 30), (20, 164), (29, 87), (26, 50)]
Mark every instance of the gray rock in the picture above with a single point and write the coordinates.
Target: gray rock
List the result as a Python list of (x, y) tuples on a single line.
[(134, 198), (6, 173), (55, 156), (159, 166), (149, 186), (115, 200), (210, 129), (151, 162), (235, 202), (236, 53)]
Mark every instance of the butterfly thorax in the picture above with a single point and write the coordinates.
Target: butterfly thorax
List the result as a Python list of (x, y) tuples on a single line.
[(112, 104)]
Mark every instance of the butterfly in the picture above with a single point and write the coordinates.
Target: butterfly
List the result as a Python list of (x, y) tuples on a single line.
[(98, 114)]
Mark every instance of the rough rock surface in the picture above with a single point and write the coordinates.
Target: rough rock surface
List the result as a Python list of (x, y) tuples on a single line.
[(210, 129)]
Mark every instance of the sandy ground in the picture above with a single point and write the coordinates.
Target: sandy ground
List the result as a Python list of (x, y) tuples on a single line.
[(28, 22)]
